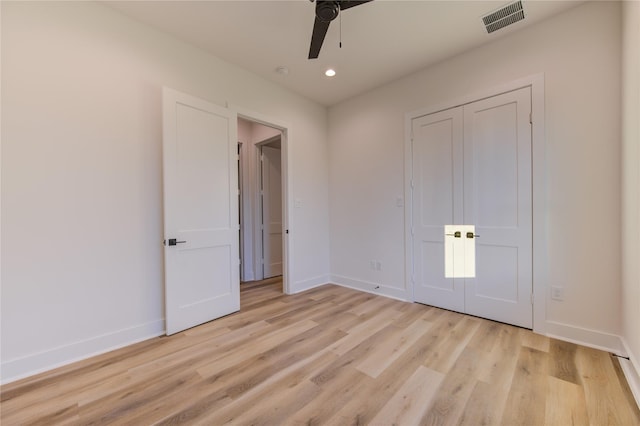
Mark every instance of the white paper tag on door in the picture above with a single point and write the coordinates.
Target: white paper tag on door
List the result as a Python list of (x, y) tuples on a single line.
[(469, 250), (459, 251)]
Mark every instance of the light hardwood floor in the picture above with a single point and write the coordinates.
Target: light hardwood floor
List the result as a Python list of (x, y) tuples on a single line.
[(333, 356)]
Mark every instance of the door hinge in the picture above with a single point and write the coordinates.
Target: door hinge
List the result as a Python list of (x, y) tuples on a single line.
[(531, 298), (530, 118)]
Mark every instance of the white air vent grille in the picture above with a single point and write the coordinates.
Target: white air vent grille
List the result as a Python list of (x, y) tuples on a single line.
[(502, 17)]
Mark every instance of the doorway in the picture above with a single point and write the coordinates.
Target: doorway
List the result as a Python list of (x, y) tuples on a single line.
[(263, 195)]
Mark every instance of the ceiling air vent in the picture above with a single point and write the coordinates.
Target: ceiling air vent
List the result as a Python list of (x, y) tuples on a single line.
[(502, 17)]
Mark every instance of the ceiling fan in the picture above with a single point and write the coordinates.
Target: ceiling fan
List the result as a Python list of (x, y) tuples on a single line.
[(327, 11)]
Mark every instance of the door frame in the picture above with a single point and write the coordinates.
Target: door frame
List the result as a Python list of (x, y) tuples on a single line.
[(287, 185), (539, 190), (241, 189)]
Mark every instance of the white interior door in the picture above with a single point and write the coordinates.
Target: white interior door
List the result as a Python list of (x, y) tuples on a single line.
[(437, 201), (200, 211), (497, 200), (271, 211), (472, 166)]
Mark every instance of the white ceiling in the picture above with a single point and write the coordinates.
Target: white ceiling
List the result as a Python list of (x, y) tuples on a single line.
[(381, 41)]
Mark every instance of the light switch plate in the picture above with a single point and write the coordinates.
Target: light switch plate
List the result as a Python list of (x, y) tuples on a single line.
[(557, 293)]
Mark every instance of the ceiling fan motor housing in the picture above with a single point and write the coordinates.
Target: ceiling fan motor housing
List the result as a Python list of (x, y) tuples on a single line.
[(327, 10)]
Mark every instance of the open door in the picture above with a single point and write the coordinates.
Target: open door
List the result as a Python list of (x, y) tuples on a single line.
[(271, 211), (200, 211)]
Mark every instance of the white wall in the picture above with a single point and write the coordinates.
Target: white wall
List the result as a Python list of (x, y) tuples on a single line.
[(244, 130), (579, 53), (631, 184), (81, 176)]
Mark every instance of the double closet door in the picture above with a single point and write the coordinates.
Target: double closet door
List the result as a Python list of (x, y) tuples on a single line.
[(472, 169)]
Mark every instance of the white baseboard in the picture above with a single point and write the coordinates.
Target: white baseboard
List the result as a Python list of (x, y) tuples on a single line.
[(631, 369), (308, 284), (373, 288), (19, 368), (586, 337)]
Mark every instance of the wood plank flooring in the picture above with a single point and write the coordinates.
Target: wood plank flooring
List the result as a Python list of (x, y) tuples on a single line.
[(332, 356)]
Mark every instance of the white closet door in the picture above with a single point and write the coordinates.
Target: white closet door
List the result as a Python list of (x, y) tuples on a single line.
[(472, 166), (200, 211), (498, 201), (437, 201)]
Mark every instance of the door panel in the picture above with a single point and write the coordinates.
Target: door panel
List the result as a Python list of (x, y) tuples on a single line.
[(497, 165), (205, 284), (491, 148), (432, 253), (202, 171), (498, 266), (200, 211), (437, 201)]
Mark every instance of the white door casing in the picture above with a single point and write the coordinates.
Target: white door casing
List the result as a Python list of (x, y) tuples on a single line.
[(472, 165), (200, 177), (271, 211), (286, 136)]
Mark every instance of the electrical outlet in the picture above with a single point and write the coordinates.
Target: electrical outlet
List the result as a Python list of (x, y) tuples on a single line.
[(378, 266), (557, 293), (372, 265)]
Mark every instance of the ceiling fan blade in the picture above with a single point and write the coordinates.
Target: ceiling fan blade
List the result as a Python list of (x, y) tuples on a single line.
[(317, 37), (346, 4)]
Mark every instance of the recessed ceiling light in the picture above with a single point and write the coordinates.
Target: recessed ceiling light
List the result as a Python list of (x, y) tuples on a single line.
[(330, 72), (282, 70)]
